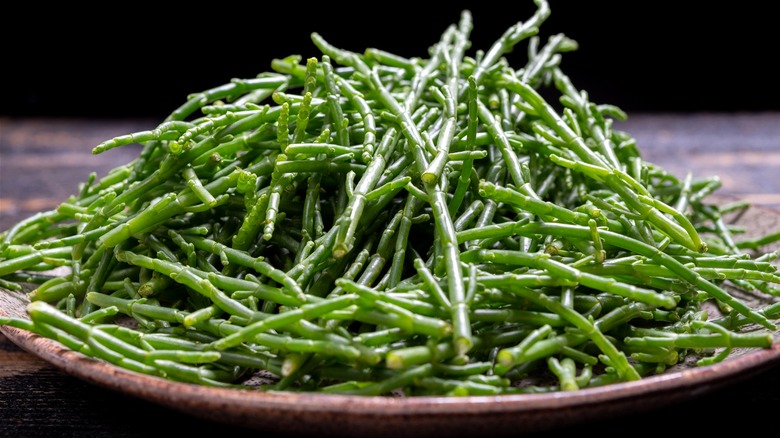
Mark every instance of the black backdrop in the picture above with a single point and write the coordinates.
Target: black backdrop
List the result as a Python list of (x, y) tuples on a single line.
[(128, 60)]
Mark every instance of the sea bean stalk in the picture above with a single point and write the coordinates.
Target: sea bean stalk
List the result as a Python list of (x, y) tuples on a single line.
[(369, 224)]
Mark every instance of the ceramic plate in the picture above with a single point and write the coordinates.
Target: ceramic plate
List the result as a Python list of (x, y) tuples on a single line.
[(353, 416)]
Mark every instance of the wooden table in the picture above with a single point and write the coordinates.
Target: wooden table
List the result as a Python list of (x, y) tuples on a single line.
[(43, 160)]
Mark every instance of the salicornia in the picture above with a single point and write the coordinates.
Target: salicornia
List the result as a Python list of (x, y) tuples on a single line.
[(370, 224)]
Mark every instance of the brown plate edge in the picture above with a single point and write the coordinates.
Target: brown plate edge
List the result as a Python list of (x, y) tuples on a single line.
[(343, 415), (356, 415)]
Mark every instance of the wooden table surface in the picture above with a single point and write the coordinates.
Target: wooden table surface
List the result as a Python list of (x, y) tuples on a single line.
[(43, 160)]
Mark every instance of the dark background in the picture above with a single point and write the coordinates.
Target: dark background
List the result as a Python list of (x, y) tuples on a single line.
[(136, 61)]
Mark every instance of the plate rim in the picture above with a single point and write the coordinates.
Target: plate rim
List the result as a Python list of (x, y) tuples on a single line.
[(112, 376), (356, 415)]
